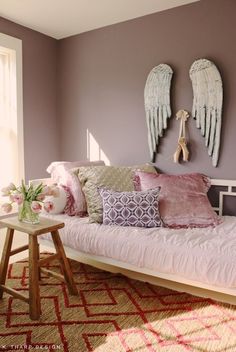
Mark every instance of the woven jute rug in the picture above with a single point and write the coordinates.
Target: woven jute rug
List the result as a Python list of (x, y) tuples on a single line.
[(112, 314)]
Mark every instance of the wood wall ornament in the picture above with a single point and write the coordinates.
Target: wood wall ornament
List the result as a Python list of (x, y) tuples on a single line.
[(207, 103), (182, 115), (157, 104)]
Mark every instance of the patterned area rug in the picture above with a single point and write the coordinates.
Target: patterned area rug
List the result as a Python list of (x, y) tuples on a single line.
[(112, 314)]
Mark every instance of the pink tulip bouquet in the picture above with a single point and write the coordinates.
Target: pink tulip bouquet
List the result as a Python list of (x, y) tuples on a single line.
[(30, 199)]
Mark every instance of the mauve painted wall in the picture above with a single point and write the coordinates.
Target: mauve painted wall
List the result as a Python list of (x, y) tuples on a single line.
[(41, 142), (103, 73)]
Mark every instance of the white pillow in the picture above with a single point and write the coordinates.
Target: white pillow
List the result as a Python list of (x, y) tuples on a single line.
[(59, 203), (62, 173), (57, 168)]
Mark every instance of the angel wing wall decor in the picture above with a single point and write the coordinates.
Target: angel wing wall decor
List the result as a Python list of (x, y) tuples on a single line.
[(207, 103), (157, 104)]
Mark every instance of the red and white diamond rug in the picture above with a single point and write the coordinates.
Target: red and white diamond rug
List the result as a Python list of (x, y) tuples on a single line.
[(112, 314)]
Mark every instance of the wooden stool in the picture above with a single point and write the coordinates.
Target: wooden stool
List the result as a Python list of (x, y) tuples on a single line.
[(33, 231)]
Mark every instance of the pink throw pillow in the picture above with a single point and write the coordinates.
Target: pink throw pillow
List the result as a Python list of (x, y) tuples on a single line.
[(62, 173), (70, 208), (183, 198)]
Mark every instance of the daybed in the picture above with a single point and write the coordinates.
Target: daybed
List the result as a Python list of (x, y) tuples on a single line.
[(200, 261)]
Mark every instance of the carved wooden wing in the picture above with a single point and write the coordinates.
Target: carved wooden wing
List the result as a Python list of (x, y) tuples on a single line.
[(157, 103), (207, 104)]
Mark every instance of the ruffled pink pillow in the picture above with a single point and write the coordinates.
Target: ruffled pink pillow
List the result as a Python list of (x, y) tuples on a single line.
[(183, 198), (62, 173)]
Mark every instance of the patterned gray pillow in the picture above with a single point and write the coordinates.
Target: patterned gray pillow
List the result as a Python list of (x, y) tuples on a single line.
[(131, 208), (118, 178)]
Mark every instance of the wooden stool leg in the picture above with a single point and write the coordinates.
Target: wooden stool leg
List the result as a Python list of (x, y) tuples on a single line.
[(5, 258), (38, 258), (65, 266), (34, 294)]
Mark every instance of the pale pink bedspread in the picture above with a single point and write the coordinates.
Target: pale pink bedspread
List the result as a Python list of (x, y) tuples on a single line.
[(206, 255)]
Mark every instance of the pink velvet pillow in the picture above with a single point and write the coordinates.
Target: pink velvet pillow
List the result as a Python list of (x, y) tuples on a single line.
[(183, 198), (62, 173)]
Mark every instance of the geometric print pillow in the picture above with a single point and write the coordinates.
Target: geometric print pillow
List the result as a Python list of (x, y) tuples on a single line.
[(131, 208)]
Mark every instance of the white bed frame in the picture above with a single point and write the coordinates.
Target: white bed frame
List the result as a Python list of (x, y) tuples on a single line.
[(171, 281)]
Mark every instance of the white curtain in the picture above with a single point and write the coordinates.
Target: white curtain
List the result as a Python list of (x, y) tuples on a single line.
[(8, 118)]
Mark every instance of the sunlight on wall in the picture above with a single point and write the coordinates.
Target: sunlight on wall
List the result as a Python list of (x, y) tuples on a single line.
[(94, 152)]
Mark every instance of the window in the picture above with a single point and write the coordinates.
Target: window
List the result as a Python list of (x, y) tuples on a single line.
[(11, 111)]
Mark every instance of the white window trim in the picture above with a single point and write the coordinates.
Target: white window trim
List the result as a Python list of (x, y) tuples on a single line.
[(16, 44)]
